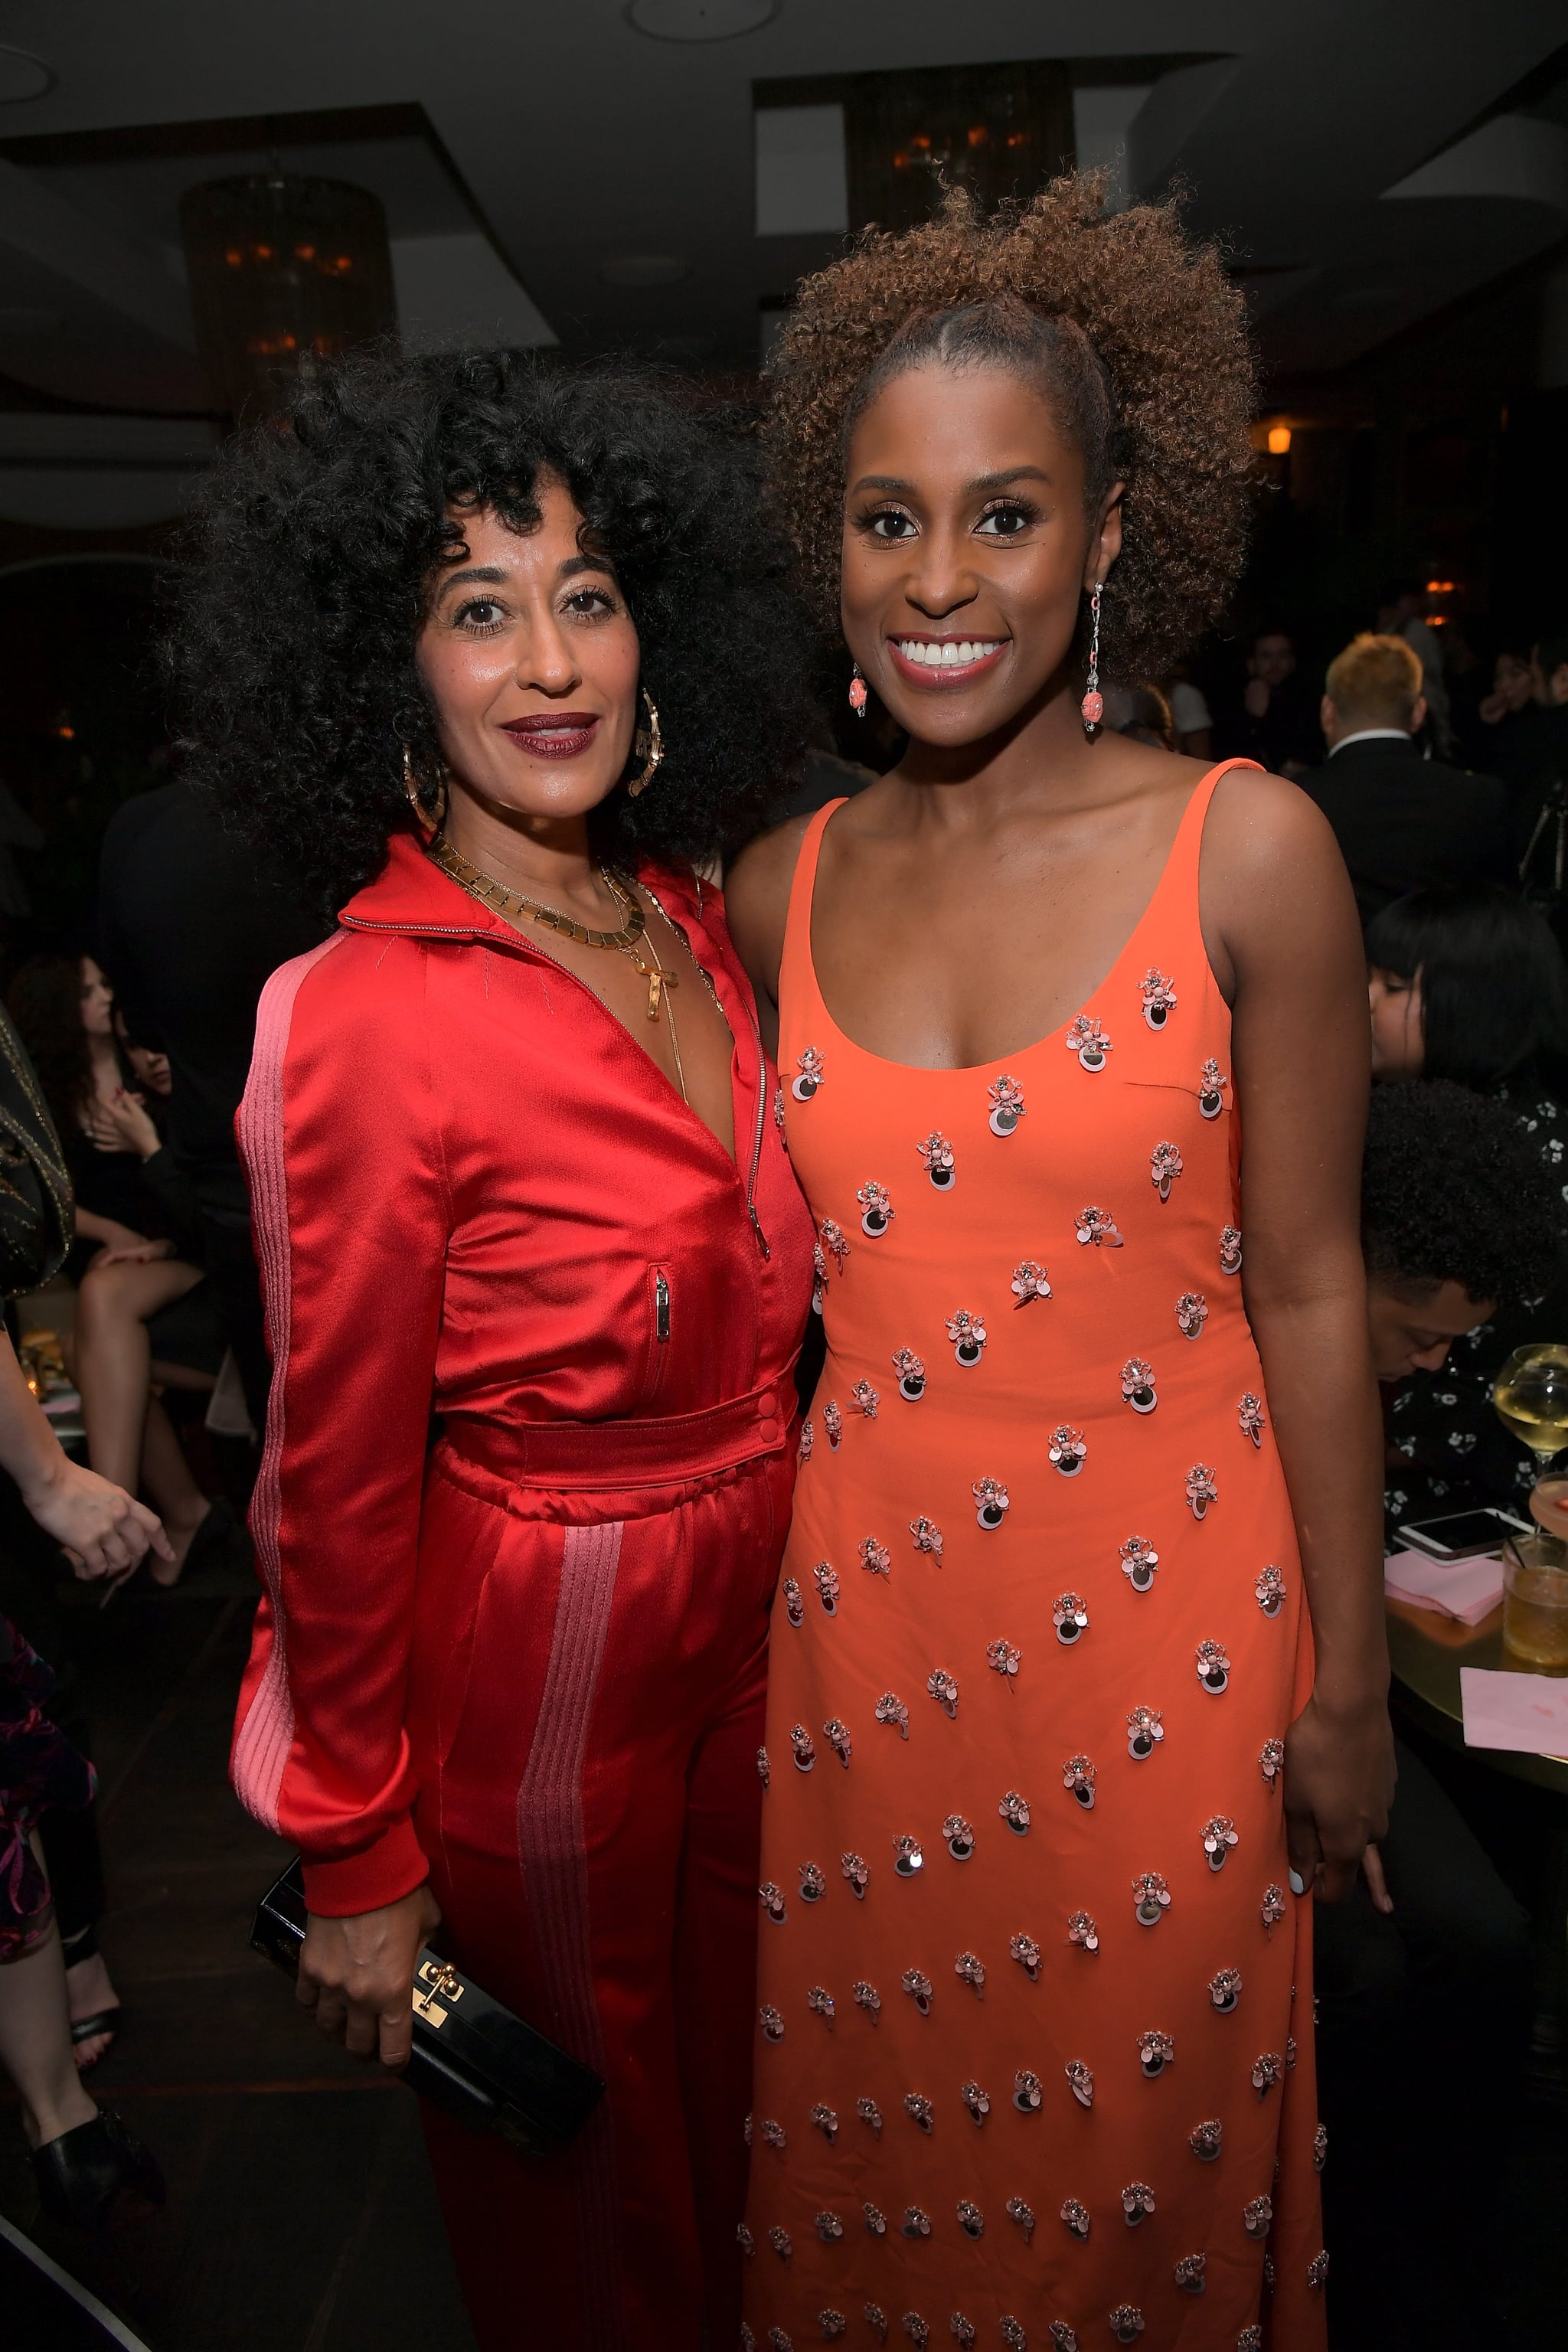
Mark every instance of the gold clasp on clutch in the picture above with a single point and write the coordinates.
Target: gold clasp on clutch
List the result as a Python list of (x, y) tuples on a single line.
[(430, 2010), (443, 1978)]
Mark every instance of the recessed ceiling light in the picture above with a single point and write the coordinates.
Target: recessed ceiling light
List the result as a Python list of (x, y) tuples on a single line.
[(645, 269), (22, 76), (699, 20)]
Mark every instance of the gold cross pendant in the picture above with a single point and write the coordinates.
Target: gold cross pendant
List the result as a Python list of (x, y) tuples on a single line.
[(658, 979)]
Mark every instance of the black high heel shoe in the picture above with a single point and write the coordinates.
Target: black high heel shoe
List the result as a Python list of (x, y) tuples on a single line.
[(85, 2173)]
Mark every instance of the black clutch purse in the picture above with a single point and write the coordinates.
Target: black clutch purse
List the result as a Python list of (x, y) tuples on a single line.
[(472, 2057)]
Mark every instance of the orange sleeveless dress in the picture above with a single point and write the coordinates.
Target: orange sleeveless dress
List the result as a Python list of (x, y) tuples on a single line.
[(1035, 2053)]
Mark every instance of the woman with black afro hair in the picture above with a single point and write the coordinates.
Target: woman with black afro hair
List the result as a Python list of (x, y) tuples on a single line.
[(491, 652), (1075, 1071)]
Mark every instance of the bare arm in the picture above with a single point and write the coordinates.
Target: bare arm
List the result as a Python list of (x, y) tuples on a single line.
[(104, 1529), (756, 906), (1285, 942)]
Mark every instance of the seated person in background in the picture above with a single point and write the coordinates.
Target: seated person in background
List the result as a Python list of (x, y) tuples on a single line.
[(1141, 712), (1469, 985), (143, 1314), (1401, 821), (1423, 1975), (1190, 716), (1274, 722)]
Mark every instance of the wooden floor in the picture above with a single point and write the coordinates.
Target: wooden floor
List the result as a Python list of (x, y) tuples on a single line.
[(301, 2215)]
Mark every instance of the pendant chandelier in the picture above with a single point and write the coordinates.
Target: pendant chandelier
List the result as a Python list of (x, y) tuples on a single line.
[(285, 271)]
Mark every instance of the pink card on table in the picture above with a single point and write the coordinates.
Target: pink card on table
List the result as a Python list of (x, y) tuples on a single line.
[(1527, 1713), (1469, 1589)]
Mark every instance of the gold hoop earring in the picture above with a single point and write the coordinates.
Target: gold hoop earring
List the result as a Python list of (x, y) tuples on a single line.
[(648, 745), (429, 825)]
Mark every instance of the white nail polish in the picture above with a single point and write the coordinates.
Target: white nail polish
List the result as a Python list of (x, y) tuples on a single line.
[(1297, 1884)]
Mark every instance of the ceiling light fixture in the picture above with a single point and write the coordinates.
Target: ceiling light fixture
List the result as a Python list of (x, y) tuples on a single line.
[(23, 76), (699, 20), (645, 269), (1279, 440)]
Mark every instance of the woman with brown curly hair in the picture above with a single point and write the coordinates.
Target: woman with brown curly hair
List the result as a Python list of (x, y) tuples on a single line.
[(1071, 1479)]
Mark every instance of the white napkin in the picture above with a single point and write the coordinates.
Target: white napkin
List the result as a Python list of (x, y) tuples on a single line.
[(1469, 1589)]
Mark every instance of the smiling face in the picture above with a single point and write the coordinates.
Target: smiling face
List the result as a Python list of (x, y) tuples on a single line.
[(967, 549), (531, 657), (1398, 1034)]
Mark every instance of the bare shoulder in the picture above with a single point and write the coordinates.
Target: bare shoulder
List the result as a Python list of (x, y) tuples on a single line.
[(1273, 883), (756, 901)]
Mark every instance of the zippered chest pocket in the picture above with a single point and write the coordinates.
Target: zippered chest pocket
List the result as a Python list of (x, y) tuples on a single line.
[(659, 1325)]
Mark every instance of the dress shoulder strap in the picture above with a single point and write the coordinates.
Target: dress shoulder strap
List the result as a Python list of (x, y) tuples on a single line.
[(797, 975)]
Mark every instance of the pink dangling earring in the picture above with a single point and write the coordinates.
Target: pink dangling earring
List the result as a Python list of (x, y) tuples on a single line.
[(1093, 703), (857, 692)]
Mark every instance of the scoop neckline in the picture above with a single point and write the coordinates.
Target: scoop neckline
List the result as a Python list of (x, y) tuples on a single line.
[(1005, 1062)]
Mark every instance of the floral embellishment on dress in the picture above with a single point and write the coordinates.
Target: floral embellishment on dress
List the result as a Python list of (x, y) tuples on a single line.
[(795, 1607), (1127, 2323), (1080, 2081), (1188, 2273), (1067, 1449), (857, 1873), (835, 1239), (927, 1535), (779, 1114), (1074, 2215), (1006, 1108), (936, 1152), (1267, 2070), (1249, 1417), (874, 1556), (1082, 1931), (812, 1885), (1256, 2216), (1156, 2050), (971, 1971), (1250, 2339), (1030, 1282), (962, 2330), (1144, 1732), (977, 2101), (1078, 1777), (821, 2004), (1271, 1760), (807, 1440), (1139, 1561), (944, 1690), (967, 1333), (1218, 1836), (1214, 1667), (1272, 1908), (918, 1985), (911, 1374), (833, 1422), (1015, 1811), (867, 1998), (1137, 2199), (908, 1860), (1029, 2091), (1201, 1489), (864, 1399), (971, 2219), (772, 1900), (1164, 1167), (826, 1587), (771, 2023), (1269, 1591), (875, 2219), (809, 1074), (1027, 1952), (1098, 1226), (1224, 1989), (1159, 996), (828, 2228), (819, 1276), (763, 1773), (1150, 1898), (1087, 1040), (1192, 1313), (875, 1210), (1319, 2147), (772, 2135), (1229, 1250), (1138, 1385), (1206, 2139), (1212, 1084), (832, 2324), (960, 1837), (919, 2109), (867, 2109), (804, 1748), (991, 1501), (1003, 1658), (1317, 2269), (1070, 1617), (890, 1709), (837, 1735), (913, 2326)]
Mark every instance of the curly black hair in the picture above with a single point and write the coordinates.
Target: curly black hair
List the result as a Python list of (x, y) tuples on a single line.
[(308, 564), (1454, 1190), (44, 1000), (1139, 336)]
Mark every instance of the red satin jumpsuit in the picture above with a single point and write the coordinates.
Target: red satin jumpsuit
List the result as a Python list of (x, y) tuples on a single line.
[(525, 1485)]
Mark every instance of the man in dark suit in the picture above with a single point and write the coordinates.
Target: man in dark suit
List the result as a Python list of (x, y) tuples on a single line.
[(1401, 822)]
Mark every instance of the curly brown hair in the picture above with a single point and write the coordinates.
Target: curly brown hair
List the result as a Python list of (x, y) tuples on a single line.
[(1159, 325)]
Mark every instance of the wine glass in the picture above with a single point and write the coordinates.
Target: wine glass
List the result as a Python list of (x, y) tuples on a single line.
[(1530, 1397)]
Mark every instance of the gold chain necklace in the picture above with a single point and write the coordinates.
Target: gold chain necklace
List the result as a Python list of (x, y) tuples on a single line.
[(632, 936)]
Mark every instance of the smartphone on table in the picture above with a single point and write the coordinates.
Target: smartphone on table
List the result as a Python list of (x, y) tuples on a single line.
[(1464, 1534)]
